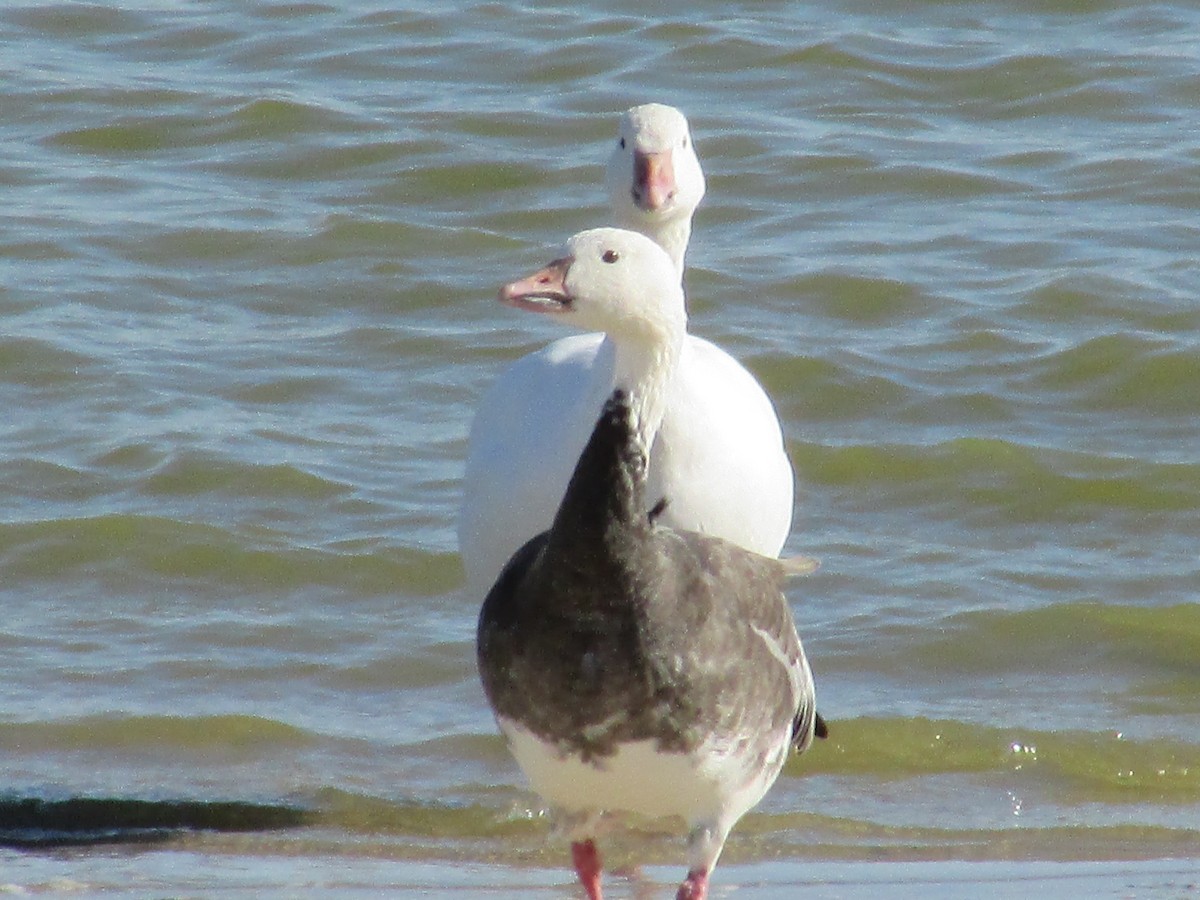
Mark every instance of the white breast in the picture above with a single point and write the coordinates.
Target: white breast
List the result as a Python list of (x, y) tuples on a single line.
[(717, 783), (719, 458)]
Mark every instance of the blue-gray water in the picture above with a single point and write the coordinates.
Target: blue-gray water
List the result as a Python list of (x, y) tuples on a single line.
[(247, 259)]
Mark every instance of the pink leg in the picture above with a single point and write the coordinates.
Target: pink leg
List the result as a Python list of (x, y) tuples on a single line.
[(587, 867), (695, 887)]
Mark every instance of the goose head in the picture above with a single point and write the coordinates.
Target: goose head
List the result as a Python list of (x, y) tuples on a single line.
[(654, 177), (611, 280)]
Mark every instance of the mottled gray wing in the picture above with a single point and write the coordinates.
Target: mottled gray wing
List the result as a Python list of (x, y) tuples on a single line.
[(737, 620)]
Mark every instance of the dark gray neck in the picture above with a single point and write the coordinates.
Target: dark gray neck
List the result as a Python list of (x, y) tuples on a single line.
[(605, 502)]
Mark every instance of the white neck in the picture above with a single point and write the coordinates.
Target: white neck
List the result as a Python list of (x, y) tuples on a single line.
[(643, 368), (672, 235)]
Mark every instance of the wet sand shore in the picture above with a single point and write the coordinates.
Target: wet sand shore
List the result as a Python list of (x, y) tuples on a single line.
[(186, 873)]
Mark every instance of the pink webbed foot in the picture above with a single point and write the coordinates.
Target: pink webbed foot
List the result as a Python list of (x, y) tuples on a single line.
[(695, 886), (587, 866)]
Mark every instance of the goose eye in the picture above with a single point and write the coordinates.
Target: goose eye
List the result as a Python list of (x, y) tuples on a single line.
[(684, 144), (610, 256)]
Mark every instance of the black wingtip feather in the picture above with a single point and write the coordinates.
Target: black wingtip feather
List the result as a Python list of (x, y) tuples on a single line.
[(657, 509)]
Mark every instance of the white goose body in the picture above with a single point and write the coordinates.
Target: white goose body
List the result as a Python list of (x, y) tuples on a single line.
[(719, 455)]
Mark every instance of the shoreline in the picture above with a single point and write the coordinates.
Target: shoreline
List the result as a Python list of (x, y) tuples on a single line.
[(114, 872)]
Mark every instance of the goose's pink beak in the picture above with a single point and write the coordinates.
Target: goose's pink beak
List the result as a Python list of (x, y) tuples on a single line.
[(545, 291), (653, 180)]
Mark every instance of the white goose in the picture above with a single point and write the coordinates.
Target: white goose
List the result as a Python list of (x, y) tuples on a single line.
[(635, 668), (719, 457)]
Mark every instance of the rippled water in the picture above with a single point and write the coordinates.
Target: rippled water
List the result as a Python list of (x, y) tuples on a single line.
[(246, 271)]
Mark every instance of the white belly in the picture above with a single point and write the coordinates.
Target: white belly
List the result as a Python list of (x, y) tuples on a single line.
[(713, 784)]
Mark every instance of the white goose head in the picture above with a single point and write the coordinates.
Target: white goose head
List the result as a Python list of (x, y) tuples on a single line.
[(654, 177), (610, 280), (624, 284)]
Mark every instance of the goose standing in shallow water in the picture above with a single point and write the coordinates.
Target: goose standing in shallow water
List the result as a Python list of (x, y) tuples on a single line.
[(719, 453), (635, 668)]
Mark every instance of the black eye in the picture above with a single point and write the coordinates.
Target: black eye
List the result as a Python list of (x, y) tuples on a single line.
[(622, 143), (610, 256)]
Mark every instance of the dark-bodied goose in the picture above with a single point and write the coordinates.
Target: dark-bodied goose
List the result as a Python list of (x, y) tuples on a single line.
[(719, 454), (635, 668)]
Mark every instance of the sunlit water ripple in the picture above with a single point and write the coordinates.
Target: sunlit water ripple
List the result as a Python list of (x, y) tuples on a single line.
[(246, 282)]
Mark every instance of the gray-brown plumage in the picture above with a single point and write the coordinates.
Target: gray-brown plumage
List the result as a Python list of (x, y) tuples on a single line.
[(638, 623)]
